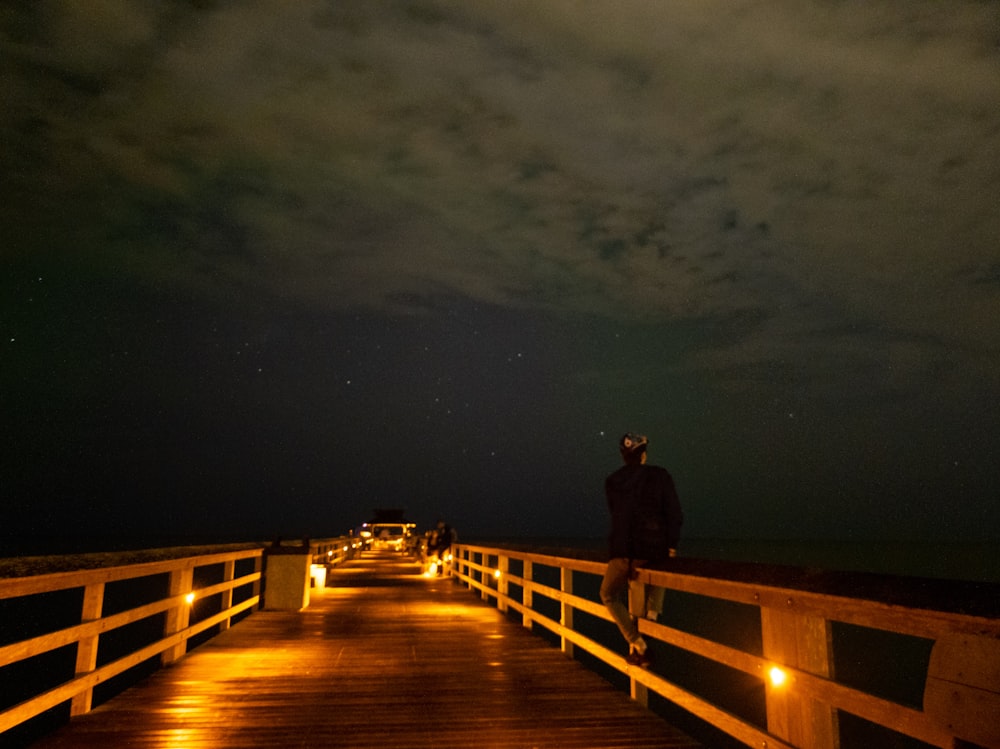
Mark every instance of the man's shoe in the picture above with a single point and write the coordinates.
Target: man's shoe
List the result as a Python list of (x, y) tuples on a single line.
[(642, 660)]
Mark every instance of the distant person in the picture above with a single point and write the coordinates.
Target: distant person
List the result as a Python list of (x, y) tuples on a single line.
[(444, 536), (440, 543), (646, 523)]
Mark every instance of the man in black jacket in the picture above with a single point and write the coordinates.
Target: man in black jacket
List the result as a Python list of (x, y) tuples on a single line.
[(646, 523)]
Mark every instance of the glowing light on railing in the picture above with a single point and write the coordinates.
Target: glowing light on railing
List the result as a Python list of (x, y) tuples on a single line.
[(189, 598), (345, 549), (496, 574), (330, 552), (778, 677)]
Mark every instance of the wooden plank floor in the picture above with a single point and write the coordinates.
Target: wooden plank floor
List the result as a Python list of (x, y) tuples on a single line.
[(381, 657)]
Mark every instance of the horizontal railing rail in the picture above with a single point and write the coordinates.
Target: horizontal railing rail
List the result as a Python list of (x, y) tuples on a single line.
[(794, 662), (334, 551)]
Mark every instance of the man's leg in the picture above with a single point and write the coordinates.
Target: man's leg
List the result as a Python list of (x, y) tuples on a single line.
[(654, 601), (614, 584)]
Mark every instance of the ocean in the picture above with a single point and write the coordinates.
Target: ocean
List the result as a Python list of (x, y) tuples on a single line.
[(977, 561)]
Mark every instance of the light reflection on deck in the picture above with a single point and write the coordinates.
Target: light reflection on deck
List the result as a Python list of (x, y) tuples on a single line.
[(382, 656)]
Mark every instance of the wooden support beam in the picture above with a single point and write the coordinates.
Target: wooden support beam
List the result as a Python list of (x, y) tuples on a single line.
[(566, 608), (228, 573), (86, 648), (527, 594), (503, 564), (178, 617), (803, 643)]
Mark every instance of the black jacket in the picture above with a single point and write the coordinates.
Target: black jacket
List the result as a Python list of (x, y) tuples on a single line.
[(646, 513)]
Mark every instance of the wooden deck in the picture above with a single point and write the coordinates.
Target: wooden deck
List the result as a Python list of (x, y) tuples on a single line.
[(381, 657)]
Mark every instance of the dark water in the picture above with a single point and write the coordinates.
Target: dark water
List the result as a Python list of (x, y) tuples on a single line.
[(976, 561), (970, 561), (56, 545)]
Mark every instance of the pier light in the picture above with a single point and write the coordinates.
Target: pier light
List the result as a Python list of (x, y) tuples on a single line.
[(189, 598), (330, 552), (778, 677), (497, 574)]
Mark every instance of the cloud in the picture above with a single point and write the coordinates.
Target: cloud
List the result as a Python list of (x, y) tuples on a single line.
[(645, 161)]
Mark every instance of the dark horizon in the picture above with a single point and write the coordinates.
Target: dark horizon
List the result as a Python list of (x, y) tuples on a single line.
[(969, 562)]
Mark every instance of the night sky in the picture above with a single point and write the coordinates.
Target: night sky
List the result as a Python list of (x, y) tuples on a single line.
[(267, 266)]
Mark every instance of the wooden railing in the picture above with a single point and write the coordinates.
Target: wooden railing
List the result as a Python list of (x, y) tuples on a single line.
[(174, 607), (793, 633), (334, 551), (961, 704), (194, 597)]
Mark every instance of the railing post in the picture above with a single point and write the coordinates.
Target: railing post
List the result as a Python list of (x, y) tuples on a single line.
[(803, 643), (527, 594), (639, 692), (228, 573), (86, 649), (484, 578), (503, 564), (258, 569), (962, 691), (460, 564), (566, 609), (178, 617)]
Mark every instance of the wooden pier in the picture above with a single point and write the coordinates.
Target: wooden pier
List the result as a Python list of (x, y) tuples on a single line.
[(245, 646), (381, 657)]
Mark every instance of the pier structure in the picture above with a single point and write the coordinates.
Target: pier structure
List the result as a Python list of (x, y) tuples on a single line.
[(317, 644)]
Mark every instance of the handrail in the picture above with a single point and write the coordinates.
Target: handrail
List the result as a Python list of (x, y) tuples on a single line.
[(795, 629), (14, 587), (334, 551)]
